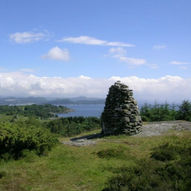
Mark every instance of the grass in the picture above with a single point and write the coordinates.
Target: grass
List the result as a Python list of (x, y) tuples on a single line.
[(71, 168)]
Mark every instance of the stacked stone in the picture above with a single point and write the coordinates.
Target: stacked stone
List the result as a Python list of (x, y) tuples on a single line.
[(121, 113)]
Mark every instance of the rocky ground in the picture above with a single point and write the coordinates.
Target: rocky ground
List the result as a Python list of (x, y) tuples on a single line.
[(80, 142), (159, 128), (148, 129)]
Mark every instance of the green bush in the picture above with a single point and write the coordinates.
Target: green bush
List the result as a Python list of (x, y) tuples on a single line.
[(17, 137), (2, 174), (168, 169), (118, 152), (165, 152), (73, 125)]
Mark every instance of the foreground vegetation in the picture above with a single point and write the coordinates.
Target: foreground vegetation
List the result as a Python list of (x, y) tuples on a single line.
[(168, 168), (113, 161), (17, 138), (29, 134)]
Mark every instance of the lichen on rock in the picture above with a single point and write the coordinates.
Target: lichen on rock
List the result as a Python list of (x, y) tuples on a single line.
[(121, 113)]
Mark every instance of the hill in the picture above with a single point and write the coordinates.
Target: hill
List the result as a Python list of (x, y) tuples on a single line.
[(43, 100), (98, 166)]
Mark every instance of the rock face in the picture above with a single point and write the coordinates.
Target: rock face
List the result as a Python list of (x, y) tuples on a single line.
[(121, 113)]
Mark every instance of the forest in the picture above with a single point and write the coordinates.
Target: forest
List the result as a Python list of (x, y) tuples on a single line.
[(166, 112)]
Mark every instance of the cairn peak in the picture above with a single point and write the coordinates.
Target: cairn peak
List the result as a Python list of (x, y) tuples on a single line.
[(121, 113)]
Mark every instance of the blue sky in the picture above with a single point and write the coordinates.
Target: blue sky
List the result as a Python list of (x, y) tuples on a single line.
[(98, 39)]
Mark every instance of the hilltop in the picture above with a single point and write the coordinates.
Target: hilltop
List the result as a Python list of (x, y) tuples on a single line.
[(74, 168)]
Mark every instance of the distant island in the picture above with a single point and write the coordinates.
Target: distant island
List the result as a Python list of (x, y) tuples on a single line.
[(44, 111)]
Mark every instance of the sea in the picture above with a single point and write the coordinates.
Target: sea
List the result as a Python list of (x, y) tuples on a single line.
[(84, 110)]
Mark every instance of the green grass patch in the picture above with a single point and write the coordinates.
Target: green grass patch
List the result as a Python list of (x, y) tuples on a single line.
[(71, 168), (118, 152), (168, 168)]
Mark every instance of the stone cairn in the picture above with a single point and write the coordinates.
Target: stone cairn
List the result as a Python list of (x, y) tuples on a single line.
[(121, 113)]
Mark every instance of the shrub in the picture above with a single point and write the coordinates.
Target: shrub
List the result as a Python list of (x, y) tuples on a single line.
[(118, 152), (168, 169), (165, 152), (2, 174), (73, 125), (14, 138)]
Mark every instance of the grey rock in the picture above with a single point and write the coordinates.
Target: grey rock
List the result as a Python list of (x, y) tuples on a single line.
[(80, 142), (121, 113)]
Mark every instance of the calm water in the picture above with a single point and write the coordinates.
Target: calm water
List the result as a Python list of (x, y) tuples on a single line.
[(85, 110)]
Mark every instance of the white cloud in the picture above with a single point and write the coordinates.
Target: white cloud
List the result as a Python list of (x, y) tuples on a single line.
[(85, 77), (94, 41), (120, 54), (27, 37), (57, 53), (159, 46), (179, 63), (167, 88), (133, 61)]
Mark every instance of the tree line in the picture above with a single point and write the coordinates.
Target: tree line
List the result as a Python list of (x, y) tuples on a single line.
[(166, 112), (70, 126)]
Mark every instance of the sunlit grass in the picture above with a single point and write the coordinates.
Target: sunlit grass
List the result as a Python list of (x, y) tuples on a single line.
[(72, 168)]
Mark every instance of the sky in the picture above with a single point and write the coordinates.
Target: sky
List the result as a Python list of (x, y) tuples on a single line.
[(69, 48)]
